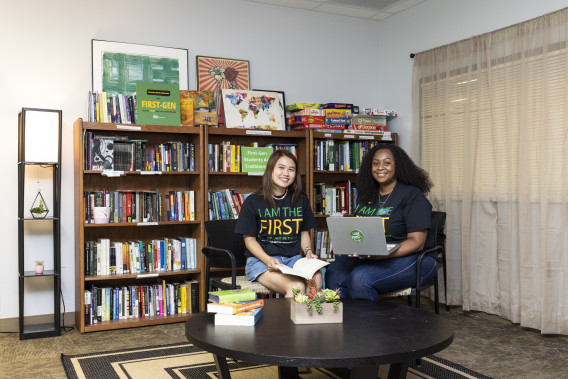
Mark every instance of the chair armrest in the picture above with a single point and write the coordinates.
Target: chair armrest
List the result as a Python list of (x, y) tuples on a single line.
[(210, 251), (434, 253)]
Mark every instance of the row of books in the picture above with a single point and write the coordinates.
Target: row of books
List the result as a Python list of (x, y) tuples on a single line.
[(140, 206), (119, 153), (104, 107), (228, 157), (132, 302), (338, 198), (225, 204), (104, 257), (331, 155), (235, 307), (322, 244)]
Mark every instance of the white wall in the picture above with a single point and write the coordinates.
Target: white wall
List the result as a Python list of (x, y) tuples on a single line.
[(435, 23), (46, 63)]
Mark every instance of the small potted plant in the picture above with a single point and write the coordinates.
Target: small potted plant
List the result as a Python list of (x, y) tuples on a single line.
[(39, 267), (326, 303), (39, 209)]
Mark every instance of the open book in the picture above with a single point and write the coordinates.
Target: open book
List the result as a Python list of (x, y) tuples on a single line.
[(304, 267)]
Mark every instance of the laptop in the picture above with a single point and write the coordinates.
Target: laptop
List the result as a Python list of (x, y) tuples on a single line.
[(359, 235)]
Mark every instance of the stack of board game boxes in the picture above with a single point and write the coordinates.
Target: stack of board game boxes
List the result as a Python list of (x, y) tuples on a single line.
[(337, 117), (371, 121), (235, 307), (331, 116)]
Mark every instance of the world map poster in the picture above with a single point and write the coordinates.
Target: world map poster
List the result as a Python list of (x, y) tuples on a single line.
[(252, 110)]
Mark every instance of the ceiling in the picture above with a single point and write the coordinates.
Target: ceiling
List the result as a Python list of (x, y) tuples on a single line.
[(368, 9)]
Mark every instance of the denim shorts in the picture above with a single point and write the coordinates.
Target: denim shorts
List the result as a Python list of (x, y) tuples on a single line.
[(255, 266)]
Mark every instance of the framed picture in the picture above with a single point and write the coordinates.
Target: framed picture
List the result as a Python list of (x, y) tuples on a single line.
[(282, 101), (252, 109), (214, 74), (117, 66)]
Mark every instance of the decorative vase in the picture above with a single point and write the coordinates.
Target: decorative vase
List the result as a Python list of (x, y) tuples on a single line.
[(299, 314), (39, 208), (39, 269)]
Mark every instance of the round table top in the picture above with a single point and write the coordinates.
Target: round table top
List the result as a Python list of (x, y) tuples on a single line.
[(372, 333)]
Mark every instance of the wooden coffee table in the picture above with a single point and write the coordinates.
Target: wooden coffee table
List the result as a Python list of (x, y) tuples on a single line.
[(372, 334)]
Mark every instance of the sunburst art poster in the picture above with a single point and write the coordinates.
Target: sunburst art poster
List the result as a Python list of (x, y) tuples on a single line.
[(214, 74)]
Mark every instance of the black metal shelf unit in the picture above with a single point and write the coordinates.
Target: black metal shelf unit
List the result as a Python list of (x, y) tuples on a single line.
[(26, 219)]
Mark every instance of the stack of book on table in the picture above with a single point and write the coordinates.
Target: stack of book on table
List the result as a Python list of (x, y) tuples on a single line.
[(235, 307)]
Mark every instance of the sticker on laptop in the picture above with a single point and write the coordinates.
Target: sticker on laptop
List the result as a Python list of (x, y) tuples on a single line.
[(356, 235)]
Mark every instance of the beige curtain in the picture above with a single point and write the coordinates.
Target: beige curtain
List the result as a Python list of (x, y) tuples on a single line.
[(492, 113)]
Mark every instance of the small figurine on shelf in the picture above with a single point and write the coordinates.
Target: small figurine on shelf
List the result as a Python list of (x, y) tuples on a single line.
[(39, 268), (39, 208)]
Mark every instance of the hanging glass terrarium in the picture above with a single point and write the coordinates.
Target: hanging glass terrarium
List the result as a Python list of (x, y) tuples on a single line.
[(39, 208)]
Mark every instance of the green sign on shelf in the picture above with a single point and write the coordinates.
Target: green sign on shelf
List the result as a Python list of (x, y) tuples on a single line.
[(254, 159)]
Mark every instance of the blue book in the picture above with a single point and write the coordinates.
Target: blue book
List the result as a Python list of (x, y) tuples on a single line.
[(183, 253), (248, 318)]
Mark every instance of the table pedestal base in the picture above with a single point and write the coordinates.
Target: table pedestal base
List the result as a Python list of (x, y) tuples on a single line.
[(396, 370)]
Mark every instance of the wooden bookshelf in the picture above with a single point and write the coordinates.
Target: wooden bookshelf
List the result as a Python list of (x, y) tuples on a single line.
[(201, 180), (95, 180)]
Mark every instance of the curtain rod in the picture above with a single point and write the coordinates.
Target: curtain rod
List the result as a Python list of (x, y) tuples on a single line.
[(412, 55)]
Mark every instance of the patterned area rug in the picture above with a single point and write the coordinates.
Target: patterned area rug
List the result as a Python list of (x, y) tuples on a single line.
[(187, 361)]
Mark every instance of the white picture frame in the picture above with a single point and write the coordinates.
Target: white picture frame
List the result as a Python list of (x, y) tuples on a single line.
[(139, 54)]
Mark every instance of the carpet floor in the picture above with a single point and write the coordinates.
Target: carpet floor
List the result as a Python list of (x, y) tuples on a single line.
[(183, 360)]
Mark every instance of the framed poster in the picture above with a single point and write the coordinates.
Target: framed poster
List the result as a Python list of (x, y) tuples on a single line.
[(282, 101), (214, 74), (252, 109), (117, 66)]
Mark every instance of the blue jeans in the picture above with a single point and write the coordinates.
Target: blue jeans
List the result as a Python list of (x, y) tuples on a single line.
[(254, 266), (366, 279)]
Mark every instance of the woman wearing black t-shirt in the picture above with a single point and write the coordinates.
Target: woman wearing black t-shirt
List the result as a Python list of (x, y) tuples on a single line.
[(275, 223), (391, 186)]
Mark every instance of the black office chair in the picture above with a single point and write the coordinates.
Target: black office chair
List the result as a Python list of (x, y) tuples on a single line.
[(226, 249), (438, 252)]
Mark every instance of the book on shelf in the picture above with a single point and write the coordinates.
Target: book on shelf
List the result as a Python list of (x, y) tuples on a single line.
[(229, 296), (119, 153), (204, 111), (116, 108), (304, 267), (225, 204), (193, 296), (235, 307), (102, 152), (158, 103), (104, 257), (140, 301), (247, 318), (125, 205), (186, 108)]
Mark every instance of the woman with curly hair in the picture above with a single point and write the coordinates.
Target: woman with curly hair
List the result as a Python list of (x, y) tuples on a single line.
[(391, 186)]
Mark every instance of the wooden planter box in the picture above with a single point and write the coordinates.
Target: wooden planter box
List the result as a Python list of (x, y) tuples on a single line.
[(299, 314)]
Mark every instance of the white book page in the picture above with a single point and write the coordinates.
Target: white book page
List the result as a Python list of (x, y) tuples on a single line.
[(305, 268)]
